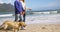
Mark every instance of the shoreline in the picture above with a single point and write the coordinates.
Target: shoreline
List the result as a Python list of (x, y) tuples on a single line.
[(42, 19)]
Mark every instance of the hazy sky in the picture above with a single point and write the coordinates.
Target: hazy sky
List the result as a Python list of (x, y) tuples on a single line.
[(38, 4)]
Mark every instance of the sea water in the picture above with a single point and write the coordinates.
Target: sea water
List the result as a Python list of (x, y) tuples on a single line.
[(32, 18)]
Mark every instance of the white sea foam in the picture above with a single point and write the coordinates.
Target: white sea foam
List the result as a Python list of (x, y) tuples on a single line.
[(6, 15), (44, 19)]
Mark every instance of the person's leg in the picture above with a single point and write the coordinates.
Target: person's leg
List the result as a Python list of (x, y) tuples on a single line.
[(16, 17), (22, 28), (20, 17), (24, 18)]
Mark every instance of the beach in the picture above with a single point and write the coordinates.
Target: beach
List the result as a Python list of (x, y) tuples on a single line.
[(42, 28), (39, 28), (39, 23)]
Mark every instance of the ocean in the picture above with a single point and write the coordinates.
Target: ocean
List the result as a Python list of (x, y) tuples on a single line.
[(32, 18)]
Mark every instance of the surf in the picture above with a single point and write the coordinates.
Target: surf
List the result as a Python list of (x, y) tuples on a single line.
[(6, 15)]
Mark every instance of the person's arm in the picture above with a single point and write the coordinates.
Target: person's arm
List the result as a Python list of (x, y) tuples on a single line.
[(18, 6), (21, 8), (27, 8)]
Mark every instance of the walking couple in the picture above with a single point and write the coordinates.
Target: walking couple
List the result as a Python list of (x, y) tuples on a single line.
[(20, 8)]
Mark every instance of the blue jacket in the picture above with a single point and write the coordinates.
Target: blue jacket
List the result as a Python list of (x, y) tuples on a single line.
[(18, 7)]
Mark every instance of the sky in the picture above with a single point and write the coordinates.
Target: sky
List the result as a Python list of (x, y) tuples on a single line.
[(38, 4)]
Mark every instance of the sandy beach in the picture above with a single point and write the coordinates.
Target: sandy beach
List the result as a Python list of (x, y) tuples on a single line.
[(42, 23), (42, 28), (39, 28)]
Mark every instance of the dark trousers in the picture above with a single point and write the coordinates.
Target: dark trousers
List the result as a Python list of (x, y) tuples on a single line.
[(24, 17), (20, 17)]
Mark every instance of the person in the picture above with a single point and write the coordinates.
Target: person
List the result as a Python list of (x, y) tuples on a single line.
[(24, 9), (18, 10)]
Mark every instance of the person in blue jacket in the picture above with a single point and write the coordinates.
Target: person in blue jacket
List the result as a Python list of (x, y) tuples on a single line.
[(18, 10)]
